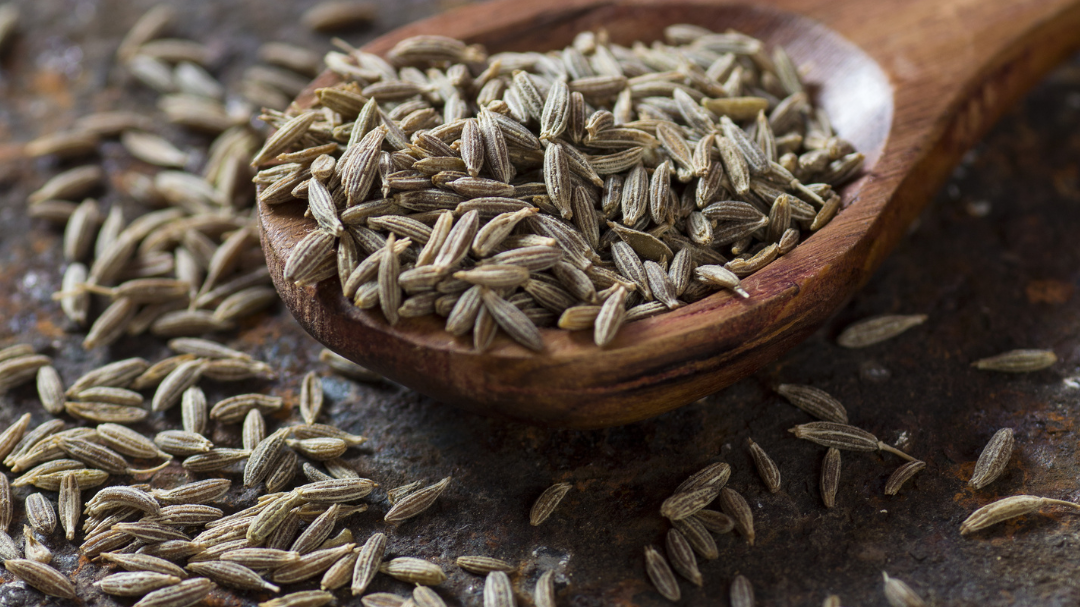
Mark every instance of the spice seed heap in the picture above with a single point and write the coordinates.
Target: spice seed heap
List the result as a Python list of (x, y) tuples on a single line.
[(581, 188)]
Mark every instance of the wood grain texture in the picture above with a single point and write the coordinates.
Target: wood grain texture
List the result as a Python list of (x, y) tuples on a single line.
[(913, 84)]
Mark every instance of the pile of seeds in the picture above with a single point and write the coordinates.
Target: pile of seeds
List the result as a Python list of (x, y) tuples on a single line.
[(582, 188), (594, 130)]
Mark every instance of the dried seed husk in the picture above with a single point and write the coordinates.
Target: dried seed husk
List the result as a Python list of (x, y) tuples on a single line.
[(685, 504), (40, 513), (415, 571), (339, 490), (993, 459), (311, 397), (482, 565), (681, 556), (233, 575), (13, 435), (901, 475), (714, 521), (310, 565), (135, 583), (734, 505), (830, 476), (183, 594), (367, 562), (497, 590), (742, 593), (182, 443), (547, 502), (41, 576), (698, 537), (714, 474), (1017, 361), (900, 594), (659, 572), (544, 592), (843, 437), (814, 401), (305, 598), (69, 503), (1007, 508), (878, 329)]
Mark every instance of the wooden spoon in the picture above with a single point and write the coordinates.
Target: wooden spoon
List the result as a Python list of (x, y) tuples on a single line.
[(912, 83)]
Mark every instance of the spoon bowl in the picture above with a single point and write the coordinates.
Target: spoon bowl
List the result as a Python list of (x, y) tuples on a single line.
[(912, 100)]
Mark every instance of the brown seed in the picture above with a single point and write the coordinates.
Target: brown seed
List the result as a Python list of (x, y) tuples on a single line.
[(713, 474), (766, 467), (698, 537), (901, 475), (735, 506), (830, 476), (684, 505), (716, 522), (660, 573)]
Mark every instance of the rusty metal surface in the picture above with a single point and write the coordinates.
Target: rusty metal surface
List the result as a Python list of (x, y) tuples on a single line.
[(994, 262)]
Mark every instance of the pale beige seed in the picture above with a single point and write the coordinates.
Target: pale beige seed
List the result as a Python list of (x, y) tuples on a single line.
[(414, 571), (153, 149), (75, 302), (310, 565), (830, 477), (234, 409), (742, 593), (814, 401), (901, 475), (40, 513), (311, 397), (993, 459), (35, 550), (1007, 508), (424, 596), (317, 531), (86, 479), (323, 430), (734, 505), (8, 549), (172, 388), (766, 467), (112, 396), (900, 594), (305, 598), (263, 456), (43, 577), (611, 316), (149, 26), (143, 562), (340, 573), (341, 490), (832, 600), (547, 502), (254, 429), (81, 229), (182, 443), (544, 592), (13, 435), (685, 504), (71, 184), (878, 329), (193, 410), (319, 449), (70, 504), (7, 504), (233, 575), (135, 583), (188, 592), (260, 558), (659, 572), (481, 565), (681, 556), (367, 563), (111, 325), (497, 590), (105, 413), (123, 497), (204, 348), (843, 437), (289, 132), (215, 459), (1017, 361)]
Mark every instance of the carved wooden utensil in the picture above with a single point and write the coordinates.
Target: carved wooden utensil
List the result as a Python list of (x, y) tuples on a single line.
[(912, 83)]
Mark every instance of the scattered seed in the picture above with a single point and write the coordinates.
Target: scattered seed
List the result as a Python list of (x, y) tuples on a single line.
[(547, 502), (830, 476), (900, 594), (766, 467), (875, 330), (1017, 361), (1007, 508), (659, 572), (901, 475)]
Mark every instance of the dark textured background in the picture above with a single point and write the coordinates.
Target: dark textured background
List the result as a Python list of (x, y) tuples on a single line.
[(993, 260)]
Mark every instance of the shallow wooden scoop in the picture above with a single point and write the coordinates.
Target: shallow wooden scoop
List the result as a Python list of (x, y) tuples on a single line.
[(912, 83)]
